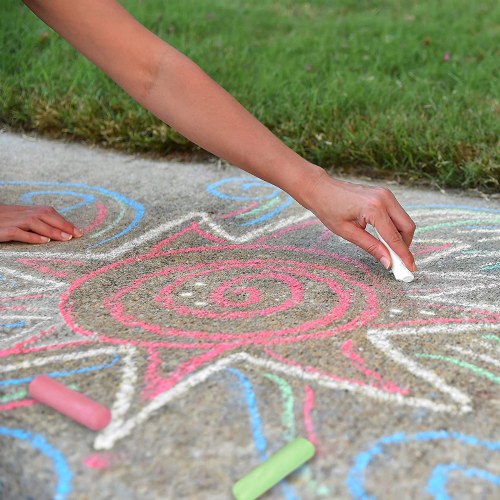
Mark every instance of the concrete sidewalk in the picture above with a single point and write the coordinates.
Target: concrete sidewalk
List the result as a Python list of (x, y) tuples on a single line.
[(218, 320)]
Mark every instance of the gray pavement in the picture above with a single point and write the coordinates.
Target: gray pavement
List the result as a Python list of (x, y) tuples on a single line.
[(218, 319)]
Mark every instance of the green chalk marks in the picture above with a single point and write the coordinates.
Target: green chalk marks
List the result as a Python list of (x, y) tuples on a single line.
[(492, 337), (13, 396), (455, 224), (491, 267), (267, 205), (464, 364), (287, 418), (23, 393), (274, 469)]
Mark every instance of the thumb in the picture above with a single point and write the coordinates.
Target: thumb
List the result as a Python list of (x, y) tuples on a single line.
[(370, 244)]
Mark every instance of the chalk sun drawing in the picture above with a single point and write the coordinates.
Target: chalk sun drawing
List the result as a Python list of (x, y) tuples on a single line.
[(231, 292)]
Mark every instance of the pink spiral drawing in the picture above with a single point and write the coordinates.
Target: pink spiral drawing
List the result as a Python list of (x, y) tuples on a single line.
[(201, 297)]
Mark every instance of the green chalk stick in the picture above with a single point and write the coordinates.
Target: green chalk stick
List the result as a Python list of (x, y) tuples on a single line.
[(274, 469)]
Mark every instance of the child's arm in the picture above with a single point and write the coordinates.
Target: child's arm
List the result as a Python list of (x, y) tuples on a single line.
[(176, 90)]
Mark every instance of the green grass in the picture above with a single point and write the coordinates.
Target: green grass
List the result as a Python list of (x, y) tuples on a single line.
[(362, 86)]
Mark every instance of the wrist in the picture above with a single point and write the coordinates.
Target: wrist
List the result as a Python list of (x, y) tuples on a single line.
[(304, 184)]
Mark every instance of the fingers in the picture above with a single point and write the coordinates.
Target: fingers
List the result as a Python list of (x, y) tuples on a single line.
[(22, 236), (393, 224), (380, 209), (403, 222), (397, 228), (347, 208), (35, 225), (395, 240), (38, 226), (363, 239), (55, 220)]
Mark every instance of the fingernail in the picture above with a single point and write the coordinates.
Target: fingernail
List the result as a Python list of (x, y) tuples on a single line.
[(66, 236), (44, 239), (385, 262), (78, 233)]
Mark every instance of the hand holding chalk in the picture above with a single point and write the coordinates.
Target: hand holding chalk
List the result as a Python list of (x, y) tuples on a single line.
[(401, 273)]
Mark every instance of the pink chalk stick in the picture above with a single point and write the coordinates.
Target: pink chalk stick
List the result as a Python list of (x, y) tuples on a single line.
[(71, 403)]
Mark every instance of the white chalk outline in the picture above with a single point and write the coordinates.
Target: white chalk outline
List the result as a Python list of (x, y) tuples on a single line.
[(380, 338), (48, 284), (154, 234), (475, 355), (14, 339), (122, 428)]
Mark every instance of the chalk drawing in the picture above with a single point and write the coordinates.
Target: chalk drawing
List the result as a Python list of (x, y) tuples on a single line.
[(436, 484), (28, 284), (60, 374), (288, 420), (59, 462), (263, 201), (90, 196), (228, 293), (464, 364)]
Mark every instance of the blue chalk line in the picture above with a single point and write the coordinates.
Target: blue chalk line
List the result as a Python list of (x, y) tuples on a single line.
[(37, 441)]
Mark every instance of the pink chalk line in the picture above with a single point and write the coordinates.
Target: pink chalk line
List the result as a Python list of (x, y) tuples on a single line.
[(238, 212), (158, 248), (421, 249), (97, 461), (359, 363), (288, 229), (483, 313), (20, 347), (325, 235), (19, 308), (102, 213), (158, 384), (27, 297), (365, 316), (307, 410), (37, 264), (433, 321), (117, 310), (17, 404), (311, 369), (167, 298)]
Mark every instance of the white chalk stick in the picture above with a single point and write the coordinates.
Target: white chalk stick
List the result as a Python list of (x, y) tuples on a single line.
[(400, 271)]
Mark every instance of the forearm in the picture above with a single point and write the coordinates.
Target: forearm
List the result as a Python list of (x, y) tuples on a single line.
[(175, 89), (186, 98)]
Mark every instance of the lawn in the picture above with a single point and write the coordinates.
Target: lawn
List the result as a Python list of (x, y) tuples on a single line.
[(390, 89)]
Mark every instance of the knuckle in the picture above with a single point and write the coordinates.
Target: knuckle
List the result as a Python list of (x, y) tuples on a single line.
[(372, 249), (11, 233), (383, 192), (396, 237), (347, 233), (380, 199)]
